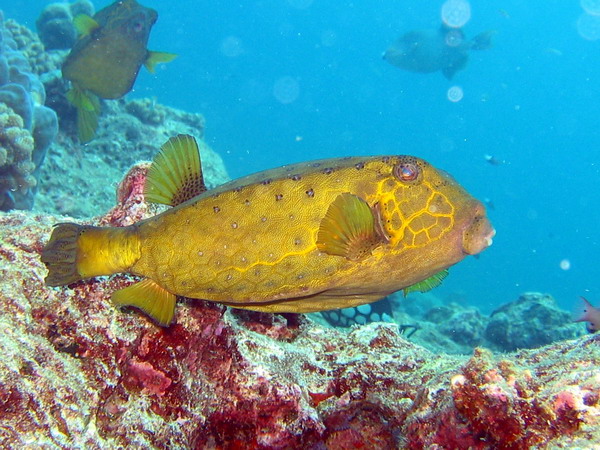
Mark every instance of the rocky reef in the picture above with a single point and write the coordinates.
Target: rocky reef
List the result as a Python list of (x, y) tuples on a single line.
[(531, 321), (77, 372), (27, 126)]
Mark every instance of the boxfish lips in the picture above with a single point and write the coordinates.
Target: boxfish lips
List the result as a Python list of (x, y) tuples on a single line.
[(478, 234)]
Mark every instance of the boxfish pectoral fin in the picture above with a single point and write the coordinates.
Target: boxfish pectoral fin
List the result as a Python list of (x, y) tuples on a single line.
[(148, 296), (427, 284), (350, 228), (155, 58), (88, 110), (175, 175)]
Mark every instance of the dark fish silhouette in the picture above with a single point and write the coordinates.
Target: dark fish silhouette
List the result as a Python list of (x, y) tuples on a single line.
[(426, 51), (106, 59)]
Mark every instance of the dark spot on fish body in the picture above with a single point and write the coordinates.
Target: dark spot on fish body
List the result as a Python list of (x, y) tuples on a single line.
[(328, 170), (216, 209), (359, 166), (316, 164), (310, 193), (385, 159), (295, 177), (247, 202), (278, 197), (266, 182)]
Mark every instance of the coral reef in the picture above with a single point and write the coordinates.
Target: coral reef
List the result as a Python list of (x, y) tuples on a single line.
[(24, 144), (77, 372), (129, 131), (55, 23)]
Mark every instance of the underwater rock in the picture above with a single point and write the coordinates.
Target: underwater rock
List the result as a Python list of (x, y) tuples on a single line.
[(125, 136), (466, 326), (76, 372), (531, 321), (22, 92), (55, 23)]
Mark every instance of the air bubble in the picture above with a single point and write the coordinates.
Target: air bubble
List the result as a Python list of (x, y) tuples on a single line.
[(455, 94), (456, 13), (588, 27), (591, 7), (286, 90)]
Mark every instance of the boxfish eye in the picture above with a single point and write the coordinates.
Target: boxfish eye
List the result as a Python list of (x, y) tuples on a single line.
[(138, 26), (406, 171)]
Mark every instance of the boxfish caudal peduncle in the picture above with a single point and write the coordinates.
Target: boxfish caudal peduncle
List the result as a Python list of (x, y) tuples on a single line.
[(307, 237)]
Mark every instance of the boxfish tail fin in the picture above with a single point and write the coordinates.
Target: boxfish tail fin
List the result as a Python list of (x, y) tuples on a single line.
[(155, 58), (88, 110), (75, 252), (152, 299), (483, 41)]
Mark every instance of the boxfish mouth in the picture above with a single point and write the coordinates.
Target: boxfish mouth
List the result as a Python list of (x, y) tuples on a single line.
[(478, 234)]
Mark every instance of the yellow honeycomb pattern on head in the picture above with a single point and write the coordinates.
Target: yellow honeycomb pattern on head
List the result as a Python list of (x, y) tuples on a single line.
[(414, 215)]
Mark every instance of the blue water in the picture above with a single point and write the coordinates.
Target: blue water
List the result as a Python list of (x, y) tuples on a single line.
[(531, 101)]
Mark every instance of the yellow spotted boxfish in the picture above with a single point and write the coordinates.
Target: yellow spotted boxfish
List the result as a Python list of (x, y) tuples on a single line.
[(307, 237), (106, 59)]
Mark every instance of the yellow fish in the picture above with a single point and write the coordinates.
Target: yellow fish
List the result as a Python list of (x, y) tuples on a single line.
[(106, 59), (307, 237)]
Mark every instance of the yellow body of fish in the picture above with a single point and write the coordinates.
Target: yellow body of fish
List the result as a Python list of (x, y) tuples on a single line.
[(314, 236)]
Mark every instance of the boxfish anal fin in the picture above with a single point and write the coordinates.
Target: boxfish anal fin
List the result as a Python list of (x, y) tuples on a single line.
[(148, 296), (427, 284), (175, 175), (349, 228), (88, 110)]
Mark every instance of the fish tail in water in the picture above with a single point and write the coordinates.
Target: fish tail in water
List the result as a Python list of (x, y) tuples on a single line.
[(88, 110), (75, 252), (483, 41)]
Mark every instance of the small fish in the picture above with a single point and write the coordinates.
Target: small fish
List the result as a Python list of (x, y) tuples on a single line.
[(107, 57), (426, 51), (308, 237), (590, 315), (493, 160)]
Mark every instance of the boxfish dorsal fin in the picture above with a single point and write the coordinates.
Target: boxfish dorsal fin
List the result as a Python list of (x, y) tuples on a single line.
[(148, 296), (427, 284), (349, 228), (84, 24), (175, 175)]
